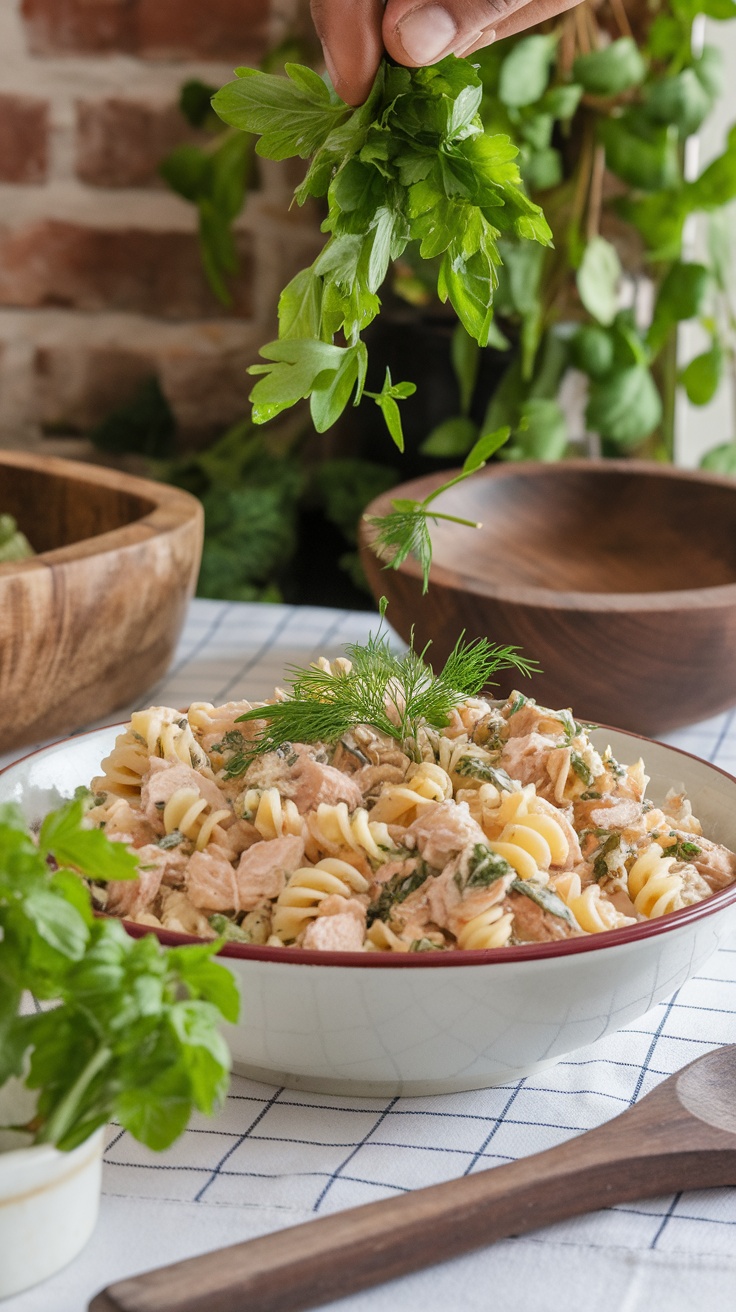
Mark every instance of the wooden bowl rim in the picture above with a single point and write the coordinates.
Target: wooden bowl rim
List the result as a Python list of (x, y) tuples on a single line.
[(171, 509), (519, 594)]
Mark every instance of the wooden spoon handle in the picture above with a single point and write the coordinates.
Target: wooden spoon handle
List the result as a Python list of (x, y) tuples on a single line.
[(659, 1149)]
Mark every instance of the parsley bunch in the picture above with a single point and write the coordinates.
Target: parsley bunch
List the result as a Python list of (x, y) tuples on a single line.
[(134, 1030), (413, 164)]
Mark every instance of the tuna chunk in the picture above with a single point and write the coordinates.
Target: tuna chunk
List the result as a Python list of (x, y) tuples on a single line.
[(238, 837), (715, 863), (526, 758), (211, 882), (263, 868), (313, 782), (610, 813), (163, 779), (341, 933), (534, 925), (450, 905), (129, 897), (443, 830), (532, 719), (121, 820)]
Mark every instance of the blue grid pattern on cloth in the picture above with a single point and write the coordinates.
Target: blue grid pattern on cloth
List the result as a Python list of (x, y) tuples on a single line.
[(274, 1148)]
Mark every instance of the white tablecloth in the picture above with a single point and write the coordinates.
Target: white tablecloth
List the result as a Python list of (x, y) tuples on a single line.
[(273, 1157)]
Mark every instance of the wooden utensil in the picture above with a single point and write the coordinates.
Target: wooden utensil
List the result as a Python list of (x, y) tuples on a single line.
[(617, 576), (680, 1136)]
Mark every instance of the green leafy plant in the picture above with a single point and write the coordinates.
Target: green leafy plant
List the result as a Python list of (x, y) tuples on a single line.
[(601, 120), (132, 1032), (255, 492), (593, 111), (411, 164)]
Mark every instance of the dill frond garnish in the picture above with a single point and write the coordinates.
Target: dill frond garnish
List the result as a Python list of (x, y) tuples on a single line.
[(395, 694)]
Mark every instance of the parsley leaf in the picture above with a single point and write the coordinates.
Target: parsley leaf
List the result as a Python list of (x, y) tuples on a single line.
[(413, 164)]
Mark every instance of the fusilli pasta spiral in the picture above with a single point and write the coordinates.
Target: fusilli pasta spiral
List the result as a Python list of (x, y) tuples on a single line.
[(335, 826), (307, 887), (272, 815), (426, 784), (654, 888), (191, 815)]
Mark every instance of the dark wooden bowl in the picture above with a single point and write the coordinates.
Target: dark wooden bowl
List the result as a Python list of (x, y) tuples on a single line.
[(90, 623), (619, 577)]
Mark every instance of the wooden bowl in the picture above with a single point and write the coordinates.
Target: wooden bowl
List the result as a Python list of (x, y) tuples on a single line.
[(619, 577), (90, 623)]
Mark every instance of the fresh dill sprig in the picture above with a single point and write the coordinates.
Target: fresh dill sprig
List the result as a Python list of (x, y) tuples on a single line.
[(395, 694), (405, 530)]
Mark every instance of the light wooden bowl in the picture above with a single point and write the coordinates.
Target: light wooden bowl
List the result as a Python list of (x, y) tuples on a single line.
[(90, 623), (619, 577)]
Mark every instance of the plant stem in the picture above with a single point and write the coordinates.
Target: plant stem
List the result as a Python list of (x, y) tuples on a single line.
[(668, 376), (453, 519), (62, 1117)]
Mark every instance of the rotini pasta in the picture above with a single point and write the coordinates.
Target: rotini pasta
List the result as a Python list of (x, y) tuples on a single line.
[(592, 911), (189, 814), (425, 785), (157, 732), (335, 826), (272, 815), (506, 826), (310, 886), (491, 928), (654, 887)]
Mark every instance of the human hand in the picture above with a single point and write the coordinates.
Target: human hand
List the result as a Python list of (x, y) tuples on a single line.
[(356, 33)]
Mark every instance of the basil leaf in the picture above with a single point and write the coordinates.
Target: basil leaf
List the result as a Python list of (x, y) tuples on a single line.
[(542, 431), (701, 376), (525, 70), (721, 459), (87, 850), (681, 296), (611, 71), (453, 437), (592, 351), (598, 280), (546, 899), (625, 407)]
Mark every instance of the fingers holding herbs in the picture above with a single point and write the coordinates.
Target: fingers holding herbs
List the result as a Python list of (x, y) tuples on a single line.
[(356, 33)]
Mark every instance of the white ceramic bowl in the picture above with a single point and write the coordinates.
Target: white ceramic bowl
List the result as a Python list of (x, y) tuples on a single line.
[(423, 1023), (48, 1199)]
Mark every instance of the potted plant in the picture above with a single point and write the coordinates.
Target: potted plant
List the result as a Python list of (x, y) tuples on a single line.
[(122, 1029)]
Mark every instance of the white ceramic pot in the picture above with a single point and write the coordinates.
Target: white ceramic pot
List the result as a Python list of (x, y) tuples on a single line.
[(422, 1023), (49, 1200)]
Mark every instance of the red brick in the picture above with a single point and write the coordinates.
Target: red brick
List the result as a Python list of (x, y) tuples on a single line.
[(207, 390), (24, 128), (208, 29), (76, 387), (157, 29), (120, 143), (155, 273), (80, 26)]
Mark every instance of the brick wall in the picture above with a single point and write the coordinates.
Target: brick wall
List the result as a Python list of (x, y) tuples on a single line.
[(100, 278)]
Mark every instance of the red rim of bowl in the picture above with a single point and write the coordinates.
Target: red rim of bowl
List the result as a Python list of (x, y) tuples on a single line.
[(609, 938)]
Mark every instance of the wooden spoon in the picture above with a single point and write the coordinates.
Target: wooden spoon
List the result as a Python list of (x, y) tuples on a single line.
[(680, 1136)]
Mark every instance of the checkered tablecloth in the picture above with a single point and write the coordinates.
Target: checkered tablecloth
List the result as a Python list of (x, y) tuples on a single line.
[(273, 1157)]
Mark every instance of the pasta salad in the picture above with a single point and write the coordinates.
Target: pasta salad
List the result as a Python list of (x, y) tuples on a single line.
[(503, 826)]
